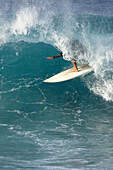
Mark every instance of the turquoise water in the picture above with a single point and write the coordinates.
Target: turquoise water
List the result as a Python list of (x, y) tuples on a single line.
[(50, 126), (66, 125)]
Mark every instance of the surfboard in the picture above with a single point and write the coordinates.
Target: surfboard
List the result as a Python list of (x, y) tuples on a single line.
[(67, 74)]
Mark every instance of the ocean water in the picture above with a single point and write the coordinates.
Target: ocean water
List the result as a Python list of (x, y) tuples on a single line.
[(66, 125)]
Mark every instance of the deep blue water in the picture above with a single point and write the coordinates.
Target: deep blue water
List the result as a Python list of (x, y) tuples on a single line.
[(66, 125)]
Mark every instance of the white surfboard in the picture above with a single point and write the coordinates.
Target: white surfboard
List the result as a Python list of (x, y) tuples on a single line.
[(67, 75)]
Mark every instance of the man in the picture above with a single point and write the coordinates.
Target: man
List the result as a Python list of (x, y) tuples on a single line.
[(61, 55), (75, 49)]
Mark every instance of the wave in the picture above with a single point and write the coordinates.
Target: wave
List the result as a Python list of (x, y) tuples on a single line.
[(42, 22), (51, 20)]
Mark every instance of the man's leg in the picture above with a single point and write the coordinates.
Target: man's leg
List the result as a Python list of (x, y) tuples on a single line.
[(75, 67)]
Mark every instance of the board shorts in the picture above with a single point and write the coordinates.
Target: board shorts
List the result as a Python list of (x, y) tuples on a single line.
[(74, 59)]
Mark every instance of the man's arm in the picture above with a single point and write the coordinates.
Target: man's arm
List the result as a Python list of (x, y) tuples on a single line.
[(56, 56)]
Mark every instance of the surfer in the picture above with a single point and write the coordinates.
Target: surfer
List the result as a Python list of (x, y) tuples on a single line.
[(61, 55), (75, 49)]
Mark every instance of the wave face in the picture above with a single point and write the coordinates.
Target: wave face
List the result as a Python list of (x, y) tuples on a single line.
[(55, 126)]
